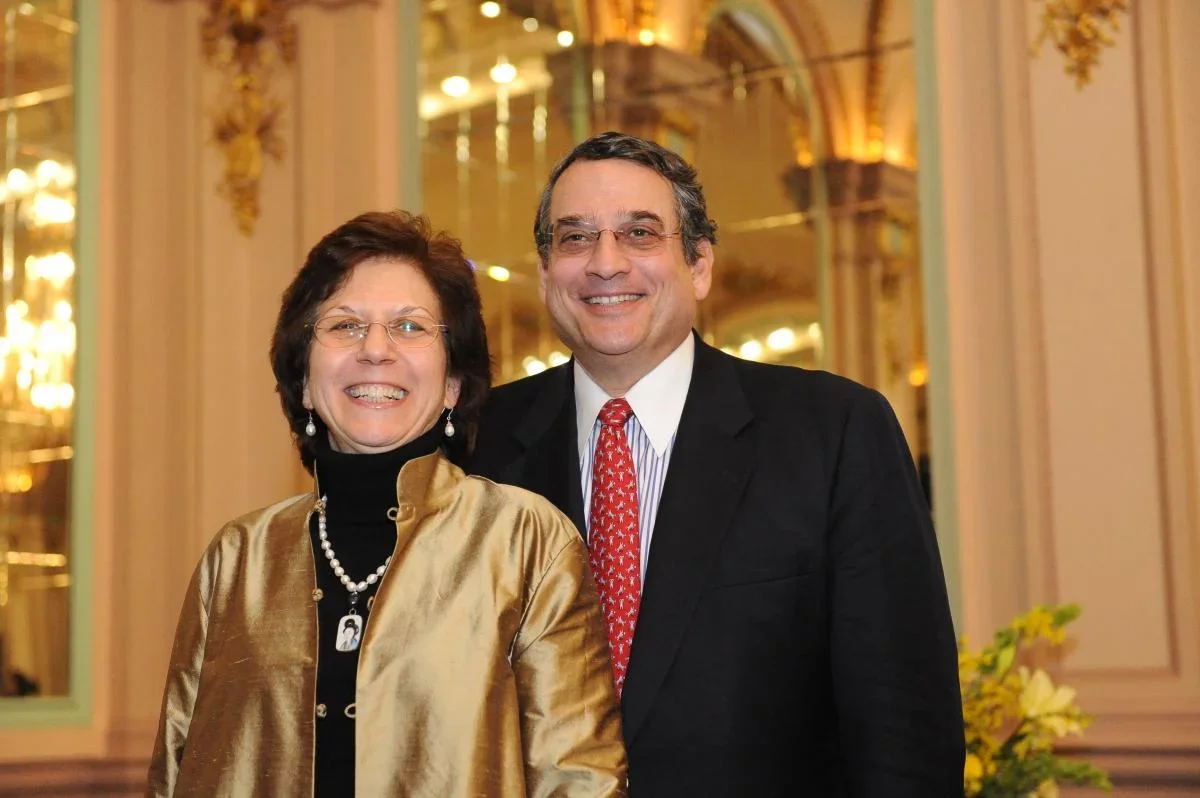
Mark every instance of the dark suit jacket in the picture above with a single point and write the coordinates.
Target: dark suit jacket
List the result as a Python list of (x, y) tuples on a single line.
[(794, 637)]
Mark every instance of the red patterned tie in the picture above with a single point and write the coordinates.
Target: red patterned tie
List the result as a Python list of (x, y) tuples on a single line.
[(614, 548)]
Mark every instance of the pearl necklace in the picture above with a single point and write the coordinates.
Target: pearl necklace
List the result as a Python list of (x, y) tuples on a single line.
[(338, 570), (350, 625)]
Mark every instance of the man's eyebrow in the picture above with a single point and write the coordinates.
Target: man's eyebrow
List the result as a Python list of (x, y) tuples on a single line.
[(575, 220), (581, 220), (644, 216)]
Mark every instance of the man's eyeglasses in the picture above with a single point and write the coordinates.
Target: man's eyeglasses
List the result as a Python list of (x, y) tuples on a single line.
[(636, 238), (407, 331)]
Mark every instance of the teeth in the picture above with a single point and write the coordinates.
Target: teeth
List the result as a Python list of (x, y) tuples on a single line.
[(376, 393), (610, 300)]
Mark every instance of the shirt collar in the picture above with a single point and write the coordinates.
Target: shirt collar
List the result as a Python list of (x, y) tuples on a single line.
[(657, 398)]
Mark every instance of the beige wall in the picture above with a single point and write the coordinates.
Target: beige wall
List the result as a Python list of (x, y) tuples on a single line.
[(1073, 265)]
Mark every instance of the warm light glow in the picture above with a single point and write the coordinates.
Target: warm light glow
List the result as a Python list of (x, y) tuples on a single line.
[(47, 209), (565, 38), (751, 350), (530, 24), (918, 375), (48, 172), (18, 181), (57, 267), (499, 273), (430, 106), (16, 480), (36, 558), (503, 72), (533, 366), (646, 37), (781, 340), (814, 331), (456, 86), (556, 358), (490, 9)]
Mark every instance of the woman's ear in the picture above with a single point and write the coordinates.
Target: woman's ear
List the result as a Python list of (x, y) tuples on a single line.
[(453, 389)]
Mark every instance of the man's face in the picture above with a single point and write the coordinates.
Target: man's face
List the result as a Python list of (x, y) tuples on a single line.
[(620, 310)]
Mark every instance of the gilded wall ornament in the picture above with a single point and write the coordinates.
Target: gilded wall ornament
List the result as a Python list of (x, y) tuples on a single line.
[(247, 41), (1079, 29)]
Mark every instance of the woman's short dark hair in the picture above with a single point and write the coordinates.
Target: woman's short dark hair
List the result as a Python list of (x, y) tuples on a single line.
[(398, 236), (690, 204)]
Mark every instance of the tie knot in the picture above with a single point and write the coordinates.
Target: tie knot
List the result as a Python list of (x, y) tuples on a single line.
[(615, 413)]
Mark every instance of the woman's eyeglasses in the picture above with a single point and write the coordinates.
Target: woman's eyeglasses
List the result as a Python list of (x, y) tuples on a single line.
[(407, 331)]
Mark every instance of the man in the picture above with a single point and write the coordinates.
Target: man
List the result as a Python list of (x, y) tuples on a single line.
[(776, 605)]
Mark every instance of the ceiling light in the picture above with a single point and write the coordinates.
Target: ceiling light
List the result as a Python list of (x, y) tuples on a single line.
[(646, 36), (456, 86), (751, 350), (565, 38), (490, 9), (533, 366), (18, 181), (503, 72), (499, 273), (556, 358), (781, 340), (529, 24), (814, 331), (430, 106)]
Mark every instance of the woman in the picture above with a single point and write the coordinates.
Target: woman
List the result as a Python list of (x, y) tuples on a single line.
[(403, 630)]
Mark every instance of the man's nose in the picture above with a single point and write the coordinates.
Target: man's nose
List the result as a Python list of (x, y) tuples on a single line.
[(607, 260)]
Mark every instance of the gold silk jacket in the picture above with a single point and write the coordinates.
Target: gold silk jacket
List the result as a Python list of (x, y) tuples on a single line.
[(484, 669)]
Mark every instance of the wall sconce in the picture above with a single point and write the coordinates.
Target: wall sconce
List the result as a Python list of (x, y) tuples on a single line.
[(1076, 28), (246, 40)]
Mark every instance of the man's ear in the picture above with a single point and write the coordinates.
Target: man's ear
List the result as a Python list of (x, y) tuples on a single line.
[(702, 270)]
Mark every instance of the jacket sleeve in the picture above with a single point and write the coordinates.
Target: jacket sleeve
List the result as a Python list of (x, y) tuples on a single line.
[(570, 719), (183, 680), (894, 655)]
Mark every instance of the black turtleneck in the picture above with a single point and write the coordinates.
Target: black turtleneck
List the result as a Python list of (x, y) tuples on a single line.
[(360, 489)]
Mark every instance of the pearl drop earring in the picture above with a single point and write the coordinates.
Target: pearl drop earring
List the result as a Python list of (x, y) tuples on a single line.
[(449, 428), (310, 429)]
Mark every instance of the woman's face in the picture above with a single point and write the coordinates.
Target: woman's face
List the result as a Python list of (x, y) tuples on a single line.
[(374, 394)]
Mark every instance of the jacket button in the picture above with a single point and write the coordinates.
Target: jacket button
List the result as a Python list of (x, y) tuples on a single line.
[(318, 594), (321, 710)]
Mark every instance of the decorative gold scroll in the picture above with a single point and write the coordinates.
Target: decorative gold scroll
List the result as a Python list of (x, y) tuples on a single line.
[(1079, 29), (247, 40)]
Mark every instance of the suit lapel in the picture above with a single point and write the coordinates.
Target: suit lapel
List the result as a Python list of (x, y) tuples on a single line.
[(546, 433), (709, 467)]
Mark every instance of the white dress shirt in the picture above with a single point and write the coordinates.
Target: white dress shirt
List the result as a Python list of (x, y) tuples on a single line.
[(657, 402)]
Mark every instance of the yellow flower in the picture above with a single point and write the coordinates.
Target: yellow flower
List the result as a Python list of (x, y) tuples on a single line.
[(1039, 696), (973, 769), (1047, 789)]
